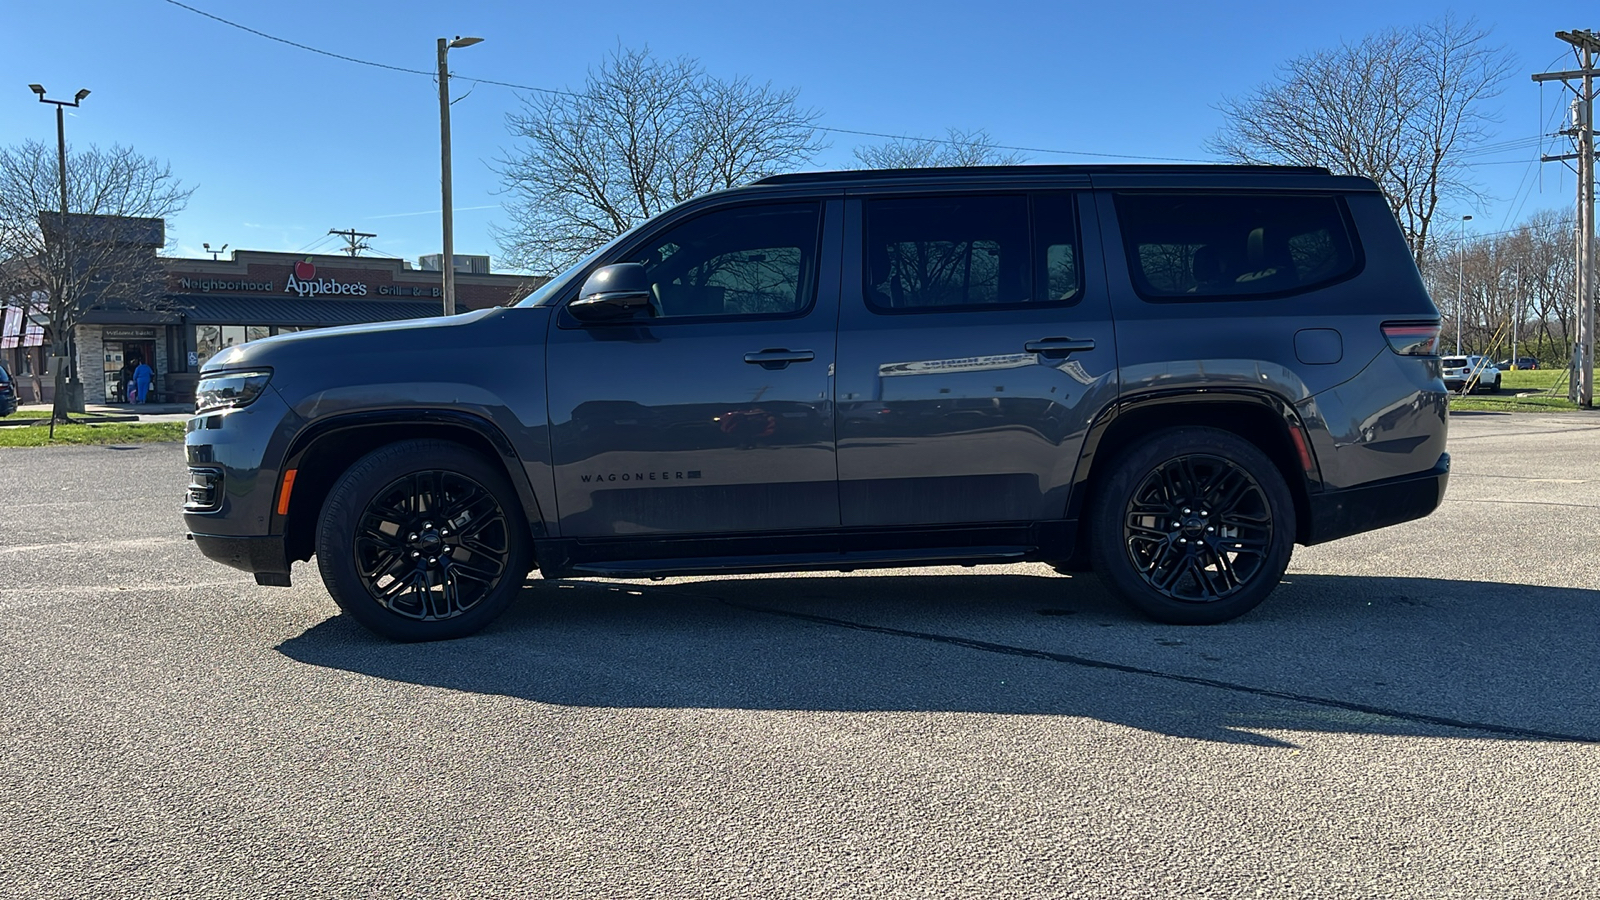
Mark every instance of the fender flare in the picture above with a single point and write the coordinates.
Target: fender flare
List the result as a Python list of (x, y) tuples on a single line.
[(1284, 412), (510, 462)]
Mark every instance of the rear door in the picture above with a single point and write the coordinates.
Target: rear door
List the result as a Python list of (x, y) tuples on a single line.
[(975, 348)]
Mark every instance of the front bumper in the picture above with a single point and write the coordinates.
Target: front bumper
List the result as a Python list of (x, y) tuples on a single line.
[(264, 556), (1368, 507)]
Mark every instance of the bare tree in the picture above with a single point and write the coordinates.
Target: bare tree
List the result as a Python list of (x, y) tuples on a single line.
[(1402, 107), (957, 148), (642, 135), (105, 247), (1525, 276)]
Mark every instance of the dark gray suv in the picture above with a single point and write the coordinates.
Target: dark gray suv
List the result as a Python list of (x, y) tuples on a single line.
[(1168, 375)]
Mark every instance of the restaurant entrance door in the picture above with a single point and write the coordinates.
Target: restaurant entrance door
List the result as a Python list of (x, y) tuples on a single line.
[(122, 360)]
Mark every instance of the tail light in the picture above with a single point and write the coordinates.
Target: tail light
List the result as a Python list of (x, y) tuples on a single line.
[(1413, 338)]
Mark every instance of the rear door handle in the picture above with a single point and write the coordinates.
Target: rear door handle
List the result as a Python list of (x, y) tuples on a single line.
[(778, 359), (1059, 345)]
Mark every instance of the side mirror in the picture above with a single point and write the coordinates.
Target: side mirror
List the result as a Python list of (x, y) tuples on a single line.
[(617, 291)]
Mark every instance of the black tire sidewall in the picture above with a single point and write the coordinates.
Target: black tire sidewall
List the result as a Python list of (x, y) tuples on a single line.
[(348, 501), (1111, 498)]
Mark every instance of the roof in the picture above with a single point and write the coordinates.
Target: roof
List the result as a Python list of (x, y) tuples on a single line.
[(307, 313), (131, 230), (859, 175)]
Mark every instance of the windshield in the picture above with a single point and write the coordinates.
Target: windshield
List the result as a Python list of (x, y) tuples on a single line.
[(1455, 362), (550, 290)]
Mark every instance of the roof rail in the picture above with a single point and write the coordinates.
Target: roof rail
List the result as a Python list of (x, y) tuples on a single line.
[(855, 175)]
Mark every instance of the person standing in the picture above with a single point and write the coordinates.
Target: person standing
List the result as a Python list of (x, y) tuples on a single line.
[(126, 389), (141, 378)]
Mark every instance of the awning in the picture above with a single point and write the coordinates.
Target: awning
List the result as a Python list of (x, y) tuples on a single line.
[(302, 313)]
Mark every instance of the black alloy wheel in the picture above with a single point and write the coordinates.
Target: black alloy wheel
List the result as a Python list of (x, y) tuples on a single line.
[(422, 540), (431, 545), (1194, 526)]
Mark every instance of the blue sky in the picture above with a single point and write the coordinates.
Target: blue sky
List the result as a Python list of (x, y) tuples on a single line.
[(283, 145)]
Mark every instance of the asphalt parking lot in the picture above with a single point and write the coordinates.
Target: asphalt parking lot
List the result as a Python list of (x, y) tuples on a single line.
[(1413, 714)]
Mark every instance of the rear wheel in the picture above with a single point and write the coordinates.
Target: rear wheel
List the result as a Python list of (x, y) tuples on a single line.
[(1495, 388), (423, 540), (1194, 526)]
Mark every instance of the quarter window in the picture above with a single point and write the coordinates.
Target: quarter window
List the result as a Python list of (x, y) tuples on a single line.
[(743, 261), (1211, 245)]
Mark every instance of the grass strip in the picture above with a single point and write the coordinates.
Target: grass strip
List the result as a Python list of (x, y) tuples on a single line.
[(109, 433)]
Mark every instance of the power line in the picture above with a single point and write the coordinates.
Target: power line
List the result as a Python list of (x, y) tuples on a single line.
[(362, 62), (544, 90), (312, 245)]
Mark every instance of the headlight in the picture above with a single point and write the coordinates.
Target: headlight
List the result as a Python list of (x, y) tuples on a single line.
[(227, 390)]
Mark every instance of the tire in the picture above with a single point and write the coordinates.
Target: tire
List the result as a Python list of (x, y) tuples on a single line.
[(1495, 388), (1161, 523), (423, 540)]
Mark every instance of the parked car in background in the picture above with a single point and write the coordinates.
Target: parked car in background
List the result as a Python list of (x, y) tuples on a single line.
[(1521, 362), (8, 393), (1471, 373)]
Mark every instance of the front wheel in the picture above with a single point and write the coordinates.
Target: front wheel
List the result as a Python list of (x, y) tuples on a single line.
[(423, 540), (1495, 388), (1194, 526)]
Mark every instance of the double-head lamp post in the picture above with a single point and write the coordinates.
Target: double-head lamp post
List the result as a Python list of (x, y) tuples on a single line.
[(448, 264), (64, 235)]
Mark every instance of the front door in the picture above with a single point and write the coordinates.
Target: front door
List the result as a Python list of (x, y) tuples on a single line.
[(714, 414), (975, 349)]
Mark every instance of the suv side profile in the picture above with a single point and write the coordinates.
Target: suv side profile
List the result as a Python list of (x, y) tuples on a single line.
[(1169, 375)]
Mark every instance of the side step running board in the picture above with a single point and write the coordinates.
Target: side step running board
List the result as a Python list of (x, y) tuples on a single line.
[(799, 562)]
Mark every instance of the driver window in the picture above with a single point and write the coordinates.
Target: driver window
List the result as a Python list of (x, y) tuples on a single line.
[(743, 261)]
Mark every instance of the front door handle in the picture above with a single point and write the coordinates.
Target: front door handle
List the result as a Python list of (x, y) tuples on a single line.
[(1058, 346), (778, 359)]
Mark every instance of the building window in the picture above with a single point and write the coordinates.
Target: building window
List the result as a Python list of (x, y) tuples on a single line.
[(209, 340)]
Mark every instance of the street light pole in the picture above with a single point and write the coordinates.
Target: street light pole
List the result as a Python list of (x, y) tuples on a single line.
[(448, 264), (1461, 275), (68, 390)]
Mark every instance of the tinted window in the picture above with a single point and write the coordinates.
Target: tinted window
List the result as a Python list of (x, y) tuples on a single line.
[(1055, 226), (749, 260), (941, 252), (1233, 245), (954, 252)]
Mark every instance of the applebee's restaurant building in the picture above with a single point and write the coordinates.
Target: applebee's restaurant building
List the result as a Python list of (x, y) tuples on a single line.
[(212, 304)]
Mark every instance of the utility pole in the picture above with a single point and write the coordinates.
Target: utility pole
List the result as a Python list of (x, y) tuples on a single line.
[(447, 207), (353, 239), (1461, 275), (1516, 314), (1586, 45)]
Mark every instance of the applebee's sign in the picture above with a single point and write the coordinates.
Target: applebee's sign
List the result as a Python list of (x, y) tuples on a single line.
[(304, 282)]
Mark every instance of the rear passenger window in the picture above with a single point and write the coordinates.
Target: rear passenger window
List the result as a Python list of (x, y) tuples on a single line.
[(1213, 245), (949, 253)]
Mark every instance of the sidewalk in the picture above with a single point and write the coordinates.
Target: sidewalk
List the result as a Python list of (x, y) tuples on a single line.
[(147, 412)]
